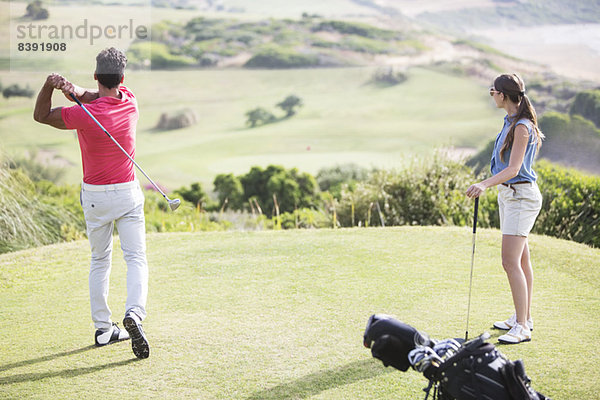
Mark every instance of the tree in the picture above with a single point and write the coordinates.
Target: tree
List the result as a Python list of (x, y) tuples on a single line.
[(194, 194), (292, 188), (229, 188), (259, 116), (35, 10), (289, 104)]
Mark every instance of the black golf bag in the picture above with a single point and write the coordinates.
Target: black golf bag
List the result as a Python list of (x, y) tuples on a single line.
[(456, 370)]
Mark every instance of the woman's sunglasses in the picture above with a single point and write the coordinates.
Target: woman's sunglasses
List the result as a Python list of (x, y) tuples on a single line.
[(493, 91)]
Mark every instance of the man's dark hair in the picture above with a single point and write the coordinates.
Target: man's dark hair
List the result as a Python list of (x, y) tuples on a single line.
[(110, 66)]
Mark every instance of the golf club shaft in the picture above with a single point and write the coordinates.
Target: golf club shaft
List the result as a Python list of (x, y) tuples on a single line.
[(472, 261), (120, 147)]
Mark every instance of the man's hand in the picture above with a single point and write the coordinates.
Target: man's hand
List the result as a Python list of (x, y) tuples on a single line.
[(61, 83), (43, 113)]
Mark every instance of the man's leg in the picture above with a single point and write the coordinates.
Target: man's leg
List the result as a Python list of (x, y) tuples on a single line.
[(100, 238), (132, 232)]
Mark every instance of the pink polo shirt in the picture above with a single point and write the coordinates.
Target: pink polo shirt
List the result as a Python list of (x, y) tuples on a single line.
[(103, 162)]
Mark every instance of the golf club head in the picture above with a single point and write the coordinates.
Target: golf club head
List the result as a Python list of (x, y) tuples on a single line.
[(174, 204)]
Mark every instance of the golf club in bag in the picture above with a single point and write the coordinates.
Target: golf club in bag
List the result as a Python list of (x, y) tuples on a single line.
[(173, 204), (456, 369)]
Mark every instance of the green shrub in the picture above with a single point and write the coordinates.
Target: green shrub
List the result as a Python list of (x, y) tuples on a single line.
[(563, 126), (389, 76), (356, 28), (427, 193), (35, 170), (587, 104), (292, 188), (196, 196), (273, 56), (157, 55), (365, 45), (571, 204), (305, 218), (15, 90), (332, 179)]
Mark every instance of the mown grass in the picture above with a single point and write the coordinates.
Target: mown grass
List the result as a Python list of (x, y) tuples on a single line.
[(344, 119), (280, 315)]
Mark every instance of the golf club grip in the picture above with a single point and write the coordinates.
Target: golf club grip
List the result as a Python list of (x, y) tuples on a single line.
[(475, 214), (76, 99)]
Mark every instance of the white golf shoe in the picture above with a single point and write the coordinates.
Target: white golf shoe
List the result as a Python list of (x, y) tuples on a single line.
[(512, 321), (114, 334), (517, 334)]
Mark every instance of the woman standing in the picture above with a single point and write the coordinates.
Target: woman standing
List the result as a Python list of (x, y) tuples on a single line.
[(519, 197)]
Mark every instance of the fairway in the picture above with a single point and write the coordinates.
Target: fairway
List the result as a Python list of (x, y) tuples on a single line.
[(280, 314), (345, 118)]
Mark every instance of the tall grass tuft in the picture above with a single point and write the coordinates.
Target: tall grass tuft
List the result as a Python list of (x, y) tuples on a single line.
[(30, 216)]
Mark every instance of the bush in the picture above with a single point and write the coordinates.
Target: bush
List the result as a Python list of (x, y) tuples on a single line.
[(157, 56), (332, 179), (35, 170), (195, 195), (305, 218), (571, 140), (272, 57), (587, 104), (434, 194), (356, 28), (429, 193), (292, 189), (365, 45), (389, 76), (177, 120), (15, 90), (571, 204)]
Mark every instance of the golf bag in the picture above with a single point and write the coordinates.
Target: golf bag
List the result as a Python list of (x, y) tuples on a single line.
[(456, 370)]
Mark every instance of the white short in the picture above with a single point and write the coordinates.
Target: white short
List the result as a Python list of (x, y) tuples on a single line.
[(519, 206)]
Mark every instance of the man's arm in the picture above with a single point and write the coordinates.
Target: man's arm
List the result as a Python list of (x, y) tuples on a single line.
[(43, 113), (84, 95)]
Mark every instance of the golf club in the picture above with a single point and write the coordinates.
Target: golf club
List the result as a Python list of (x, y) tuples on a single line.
[(174, 204), (472, 260)]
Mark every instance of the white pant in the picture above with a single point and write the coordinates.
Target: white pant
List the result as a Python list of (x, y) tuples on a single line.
[(103, 207)]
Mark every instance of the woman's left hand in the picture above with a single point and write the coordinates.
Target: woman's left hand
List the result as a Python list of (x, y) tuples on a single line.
[(475, 190)]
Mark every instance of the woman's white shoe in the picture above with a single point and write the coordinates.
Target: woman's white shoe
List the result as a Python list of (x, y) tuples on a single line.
[(512, 321), (517, 334)]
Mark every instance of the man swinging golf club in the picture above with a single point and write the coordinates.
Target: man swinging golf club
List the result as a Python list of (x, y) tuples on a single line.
[(110, 193)]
